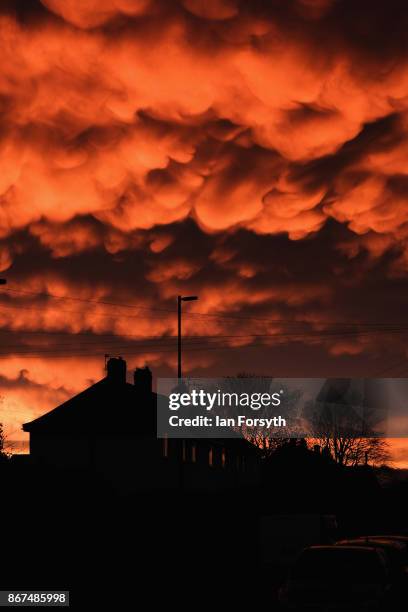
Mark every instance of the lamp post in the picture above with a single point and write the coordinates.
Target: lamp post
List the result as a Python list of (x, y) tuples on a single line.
[(180, 299)]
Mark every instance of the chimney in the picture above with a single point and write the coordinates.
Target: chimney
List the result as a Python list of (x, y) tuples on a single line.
[(116, 368), (143, 380)]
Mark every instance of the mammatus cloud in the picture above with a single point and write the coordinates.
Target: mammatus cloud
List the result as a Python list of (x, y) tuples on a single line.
[(94, 13), (141, 113)]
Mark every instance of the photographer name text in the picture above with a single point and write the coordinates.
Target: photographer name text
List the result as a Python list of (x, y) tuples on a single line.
[(217, 421)]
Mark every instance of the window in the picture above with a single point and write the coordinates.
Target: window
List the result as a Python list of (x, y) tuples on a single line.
[(210, 457), (165, 446), (193, 453), (223, 457)]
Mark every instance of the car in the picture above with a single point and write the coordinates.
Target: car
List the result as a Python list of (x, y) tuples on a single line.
[(395, 553), (337, 577)]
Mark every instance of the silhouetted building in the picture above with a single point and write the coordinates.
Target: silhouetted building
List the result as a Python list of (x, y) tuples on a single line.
[(110, 428)]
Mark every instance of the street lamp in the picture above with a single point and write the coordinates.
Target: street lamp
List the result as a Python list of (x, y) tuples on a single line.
[(180, 298)]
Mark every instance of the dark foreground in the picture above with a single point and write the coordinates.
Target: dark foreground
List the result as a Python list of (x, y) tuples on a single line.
[(68, 531)]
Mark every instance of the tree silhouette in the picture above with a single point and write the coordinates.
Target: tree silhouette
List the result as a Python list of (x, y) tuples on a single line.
[(3, 454), (341, 432), (260, 436)]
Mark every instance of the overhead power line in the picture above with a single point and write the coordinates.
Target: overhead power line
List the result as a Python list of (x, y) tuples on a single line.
[(118, 340), (203, 342), (188, 313), (136, 352)]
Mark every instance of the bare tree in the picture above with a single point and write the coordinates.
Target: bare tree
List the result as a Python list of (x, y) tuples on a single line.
[(6, 447), (340, 430), (3, 453), (355, 451), (261, 436)]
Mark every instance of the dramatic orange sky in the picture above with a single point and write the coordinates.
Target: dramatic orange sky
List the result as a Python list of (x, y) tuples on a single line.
[(254, 153)]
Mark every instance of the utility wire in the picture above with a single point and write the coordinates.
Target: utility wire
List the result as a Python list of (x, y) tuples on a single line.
[(134, 352), (338, 327), (395, 366), (187, 313), (160, 340), (188, 343)]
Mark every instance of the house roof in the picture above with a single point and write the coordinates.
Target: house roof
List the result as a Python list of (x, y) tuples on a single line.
[(107, 406), (113, 406)]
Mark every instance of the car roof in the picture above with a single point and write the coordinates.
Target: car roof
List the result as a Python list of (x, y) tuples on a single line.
[(356, 547), (373, 542), (393, 537)]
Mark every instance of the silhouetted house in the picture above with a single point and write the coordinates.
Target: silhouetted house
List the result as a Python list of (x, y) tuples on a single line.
[(110, 428)]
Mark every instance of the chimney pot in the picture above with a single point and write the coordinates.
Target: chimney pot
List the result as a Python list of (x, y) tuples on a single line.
[(143, 380), (116, 368)]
